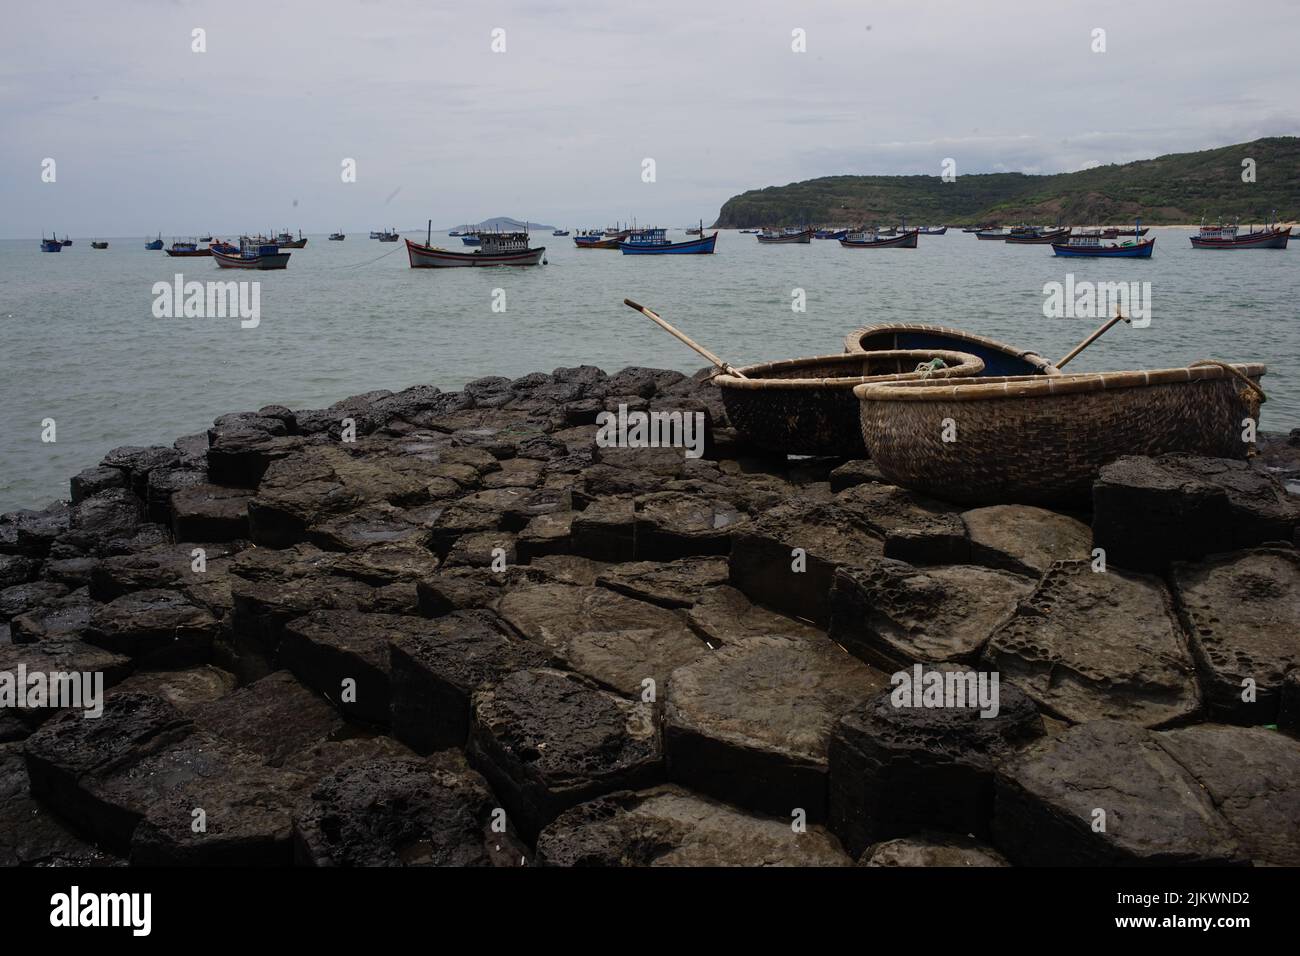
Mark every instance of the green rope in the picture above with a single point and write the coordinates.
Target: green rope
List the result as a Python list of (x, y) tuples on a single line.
[(926, 368)]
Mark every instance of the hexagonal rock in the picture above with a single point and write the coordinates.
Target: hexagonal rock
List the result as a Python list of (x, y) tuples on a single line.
[(275, 717), (1088, 645), (92, 481), (546, 534), (1025, 539), (69, 757), (270, 588), (162, 626), (605, 530), (21, 598), (671, 525), (1253, 776), (932, 849), (724, 615), (64, 618), (30, 835), (325, 649), (616, 640), (765, 566), (854, 473), (547, 740), (1150, 511), (210, 513), (402, 812), (669, 826), (241, 456), (1155, 812), (186, 689), (170, 567), (16, 569), (482, 550), (165, 482), (897, 769), (435, 672), (138, 462), (677, 583), (750, 723), (56, 656), (892, 614), (1242, 611)]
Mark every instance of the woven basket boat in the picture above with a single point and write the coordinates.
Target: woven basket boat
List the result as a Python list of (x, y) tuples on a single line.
[(806, 406), (999, 358), (1037, 439)]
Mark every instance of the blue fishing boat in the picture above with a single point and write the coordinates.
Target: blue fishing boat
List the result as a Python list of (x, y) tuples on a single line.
[(560, 232), (830, 233), (654, 242), (50, 245), (1087, 244), (471, 240), (154, 244)]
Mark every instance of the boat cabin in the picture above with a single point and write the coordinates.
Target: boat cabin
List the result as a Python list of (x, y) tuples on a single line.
[(648, 237), (498, 243)]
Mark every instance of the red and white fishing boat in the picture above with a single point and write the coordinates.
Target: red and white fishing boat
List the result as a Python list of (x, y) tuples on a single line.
[(788, 234), (1229, 237), (497, 249), (254, 253)]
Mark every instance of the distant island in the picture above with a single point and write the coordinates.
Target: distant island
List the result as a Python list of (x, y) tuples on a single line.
[(1175, 189), (503, 223)]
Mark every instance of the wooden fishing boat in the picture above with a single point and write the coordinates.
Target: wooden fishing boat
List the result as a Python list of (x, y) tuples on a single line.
[(655, 242), (254, 253), (1039, 237), (1230, 237), (154, 244), (229, 248), (98, 244), (376, 235), (337, 237), (388, 236), (1088, 244), (187, 249), (932, 230), (806, 406), (994, 235), (497, 249), (998, 357), (66, 241), (829, 233), (790, 234), (471, 240), (695, 231), (285, 240), (51, 244), (1042, 439), (749, 232), (560, 232), (596, 239), (1114, 232), (205, 238), (873, 240)]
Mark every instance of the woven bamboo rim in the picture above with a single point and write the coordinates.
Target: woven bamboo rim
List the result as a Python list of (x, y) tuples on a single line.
[(956, 364), (1032, 386), (853, 341)]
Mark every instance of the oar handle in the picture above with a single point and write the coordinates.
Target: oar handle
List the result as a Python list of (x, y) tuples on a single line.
[(683, 338), (1119, 317)]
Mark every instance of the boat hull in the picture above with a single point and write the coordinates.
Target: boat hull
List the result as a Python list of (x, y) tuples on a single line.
[(51, 247), (934, 232), (992, 236), (702, 246), (1277, 239), (596, 242), (276, 260), (999, 358), (906, 241), (1047, 238), (431, 257), (799, 238), (1139, 250), (188, 253), (154, 246)]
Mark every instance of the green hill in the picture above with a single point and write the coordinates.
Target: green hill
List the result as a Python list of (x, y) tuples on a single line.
[(1178, 188)]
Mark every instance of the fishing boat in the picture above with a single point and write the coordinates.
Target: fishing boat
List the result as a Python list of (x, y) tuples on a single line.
[(790, 234), (1088, 244), (806, 406), (654, 242), (1039, 237), (154, 244), (870, 239), (376, 235), (66, 241), (1230, 237), (229, 248), (596, 239), (337, 237), (998, 357), (995, 235), (1114, 232), (187, 248), (205, 238), (560, 232), (749, 232), (695, 231), (388, 236), (932, 230), (254, 253), (825, 233), (98, 244), (497, 249), (983, 227), (51, 244), (1042, 439), (285, 240), (471, 240)]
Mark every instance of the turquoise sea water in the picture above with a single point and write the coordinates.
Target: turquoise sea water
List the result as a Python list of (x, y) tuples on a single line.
[(82, 346)]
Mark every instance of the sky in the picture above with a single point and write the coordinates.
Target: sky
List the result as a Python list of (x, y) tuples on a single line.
[(149, 136)]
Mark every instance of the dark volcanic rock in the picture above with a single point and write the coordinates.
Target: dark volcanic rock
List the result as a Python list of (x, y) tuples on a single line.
[(854, 473), (547, 741), (21, 598), (53, 658), (932, 849), (138, 462), (750, 723), (186, 690), (154, 624), (434, 673), (1150, 511), (1242, 612), (94, 480), (616, 640), (1087, 645), (1025, 539), (605, 530), (724, 615), (671, 525), (546, 534), (170, 567), (241, 456), (669, 826), (30, 835), (275, 717), (403, 812), (16, 569), (210, 513), (671, 584), (896, 768), (64, 618), (1105, 794), (787, 558), (165, 482), (892, 614)]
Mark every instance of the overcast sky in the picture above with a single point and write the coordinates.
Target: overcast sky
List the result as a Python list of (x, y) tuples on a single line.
[(148, 135)]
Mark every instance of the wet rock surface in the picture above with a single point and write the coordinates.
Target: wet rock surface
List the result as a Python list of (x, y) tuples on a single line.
[(442, 628)]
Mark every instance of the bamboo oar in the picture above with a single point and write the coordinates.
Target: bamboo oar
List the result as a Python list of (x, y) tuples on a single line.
[(1092, 338), (683, 338)]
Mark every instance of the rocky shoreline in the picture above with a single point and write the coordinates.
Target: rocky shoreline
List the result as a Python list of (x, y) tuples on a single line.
[(450, 628)]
